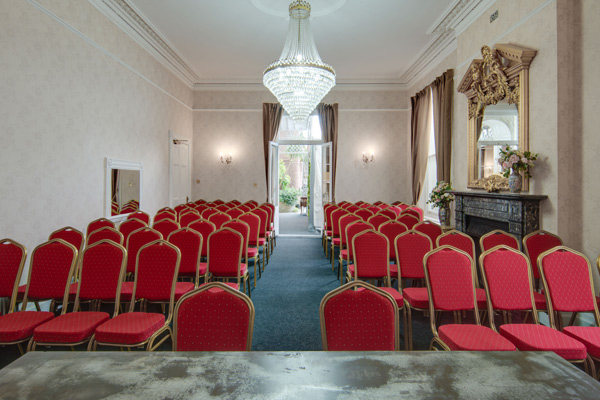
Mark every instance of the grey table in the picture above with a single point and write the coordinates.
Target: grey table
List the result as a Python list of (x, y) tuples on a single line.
[(283, 375)]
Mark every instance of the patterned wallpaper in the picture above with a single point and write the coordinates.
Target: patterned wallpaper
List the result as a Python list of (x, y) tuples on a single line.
[(66, 106)]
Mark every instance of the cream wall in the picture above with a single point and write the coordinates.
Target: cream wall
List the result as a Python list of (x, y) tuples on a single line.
[(231, 121), (75, 90)]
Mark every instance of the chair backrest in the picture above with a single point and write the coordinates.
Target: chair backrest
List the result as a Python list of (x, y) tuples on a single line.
[(188, 218), (244, 230), (137, 239), (378, 219), (245, 208), (189, 243), (200, 208), (211, 204), (164, 215), (374, 209), (391, 229), (396, 210), (370, 252), (429, 228), (253, 222), (419, 211), (335, 221), (222, 207), (167, 209), (219, 219), (218, 202), (364, 205), (264, 221), (69, 235), (208, 212), (413, 212), (359, 317), (252, 203), (97, 224), (156, 269), (459, 240), (507, 278), (142, 216), (236, 203), (103, 266), (234, 212), (269, 211), (328, 213), (378, 203), (352, 208), (105, 233), (344, 222), (52, 265), (12, 260), (411, 248), (214, 317), (129, 226), (496, 238), (364, 213), (225, 248), (408, 219), (536, 243), (353, 229), (388, 213), (179, 208), (568, 282), (165, 227), (450, 277), (204, 228)]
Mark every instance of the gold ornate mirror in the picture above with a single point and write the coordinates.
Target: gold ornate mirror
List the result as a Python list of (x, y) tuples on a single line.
[(497, 90)]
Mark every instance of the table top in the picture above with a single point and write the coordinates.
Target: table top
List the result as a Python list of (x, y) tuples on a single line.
[(303, 375)]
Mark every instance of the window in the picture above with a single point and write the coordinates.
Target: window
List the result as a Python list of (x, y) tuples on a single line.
[(431, 174), (291, 131)]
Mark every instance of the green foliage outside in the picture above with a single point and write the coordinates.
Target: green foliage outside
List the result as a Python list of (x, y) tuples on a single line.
[(287, 194)]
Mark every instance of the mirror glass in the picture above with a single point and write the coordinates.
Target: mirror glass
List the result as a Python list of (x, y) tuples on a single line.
[(499, 127), (123, 187)]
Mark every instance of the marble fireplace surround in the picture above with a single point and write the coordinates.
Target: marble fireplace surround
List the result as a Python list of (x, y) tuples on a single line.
[(477, 213)]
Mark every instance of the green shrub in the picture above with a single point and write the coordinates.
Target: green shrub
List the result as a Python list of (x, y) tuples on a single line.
[(289, 196)]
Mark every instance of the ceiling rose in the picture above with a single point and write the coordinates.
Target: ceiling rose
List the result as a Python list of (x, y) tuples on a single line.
[(319, 7)]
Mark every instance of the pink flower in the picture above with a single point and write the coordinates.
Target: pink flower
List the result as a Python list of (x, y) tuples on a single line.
[(506, 165), (524, 160), (514, 159)]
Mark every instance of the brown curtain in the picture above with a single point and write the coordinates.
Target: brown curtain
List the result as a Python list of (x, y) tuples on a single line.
[(328, 118), (442, 90), (419, 139), (272, 113)]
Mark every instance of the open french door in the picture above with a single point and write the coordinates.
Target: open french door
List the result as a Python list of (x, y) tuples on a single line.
[(273, 182), (179, 170)]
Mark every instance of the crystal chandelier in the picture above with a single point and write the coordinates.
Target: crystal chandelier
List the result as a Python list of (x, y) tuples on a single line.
[(299, 79)]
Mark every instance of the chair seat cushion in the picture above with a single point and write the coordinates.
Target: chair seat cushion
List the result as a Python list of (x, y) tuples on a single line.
[(21, 292), (126, 291), (344, 254), (230, 284), (243, 271), (130, 328), (473, 338), (588, 335), (394, 271), (182, 288), (252, 252), (261, 242), (395, 294), (529, 337), (202, 271), (72, 327), (328, 233), (20, 325), (540, 301), (336, 241), (416, 297)]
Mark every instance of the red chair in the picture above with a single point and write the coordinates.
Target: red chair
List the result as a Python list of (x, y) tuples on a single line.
[(166, 226), (429, 228), (204, 228), (391, 229), (411, 248), (395, 210), (496, 238), (189, 243), (234, 213), (245, 208), (248, 253), (225, 249), (352, 208), (219, 219), (569, 287), (254, 239), (12, 260), (155, 277), (413, 212), (537, 243), (364, 214), (270, 209), (188, 218), (408, 219), (377, 220), (418, 210), (218, 202), (165, 215), (449, 274), (459, 240), (200, 208), (103, 266), (106, 233), (181, 207), (353, 229), (236, 203), (252, 203), (52, 265), (264, 229), (137, 239), (344, 222), (364, 205), (378, 203), (508, 281), (374, 209), (69, 235), (328, 226), (167, 209), (214, 317), (223, 207), (388, 213), (335, 232), (359, 320), (129, 226), (97, 224), (206, 214), (142, 216)]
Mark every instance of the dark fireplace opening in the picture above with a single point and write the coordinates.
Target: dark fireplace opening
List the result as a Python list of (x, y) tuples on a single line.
[(476, 227)]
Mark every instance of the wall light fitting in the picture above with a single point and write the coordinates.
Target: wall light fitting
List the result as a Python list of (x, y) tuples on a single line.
[(367, 158), (226, 159)]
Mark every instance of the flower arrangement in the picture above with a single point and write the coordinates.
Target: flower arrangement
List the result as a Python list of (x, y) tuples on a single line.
[(516, 160), (440, 196)]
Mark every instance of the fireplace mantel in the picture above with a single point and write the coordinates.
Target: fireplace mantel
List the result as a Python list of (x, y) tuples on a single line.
[(477, 213)]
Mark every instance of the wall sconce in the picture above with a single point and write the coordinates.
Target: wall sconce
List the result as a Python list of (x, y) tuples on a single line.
[(226, 159), (367, 158)]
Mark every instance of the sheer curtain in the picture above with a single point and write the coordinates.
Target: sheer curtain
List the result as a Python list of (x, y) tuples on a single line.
[(442, 90), (419, 139), (272, 113), (328, 118)]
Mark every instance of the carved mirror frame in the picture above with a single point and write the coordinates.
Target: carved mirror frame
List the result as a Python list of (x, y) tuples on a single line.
[(110, 165), (502, 74)]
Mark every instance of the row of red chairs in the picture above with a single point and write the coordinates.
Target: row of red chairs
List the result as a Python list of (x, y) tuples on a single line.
[(451, 286)]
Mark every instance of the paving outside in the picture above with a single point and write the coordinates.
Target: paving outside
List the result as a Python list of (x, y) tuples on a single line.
[(294, 224)]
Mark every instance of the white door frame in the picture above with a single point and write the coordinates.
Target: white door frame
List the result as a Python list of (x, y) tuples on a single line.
[(273, 183), (173, 137)]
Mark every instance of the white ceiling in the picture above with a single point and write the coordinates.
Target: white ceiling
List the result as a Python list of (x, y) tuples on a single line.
[(232, 41)]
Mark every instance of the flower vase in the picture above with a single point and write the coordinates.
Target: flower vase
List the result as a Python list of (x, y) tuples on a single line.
[(515, 182), (444, 215)]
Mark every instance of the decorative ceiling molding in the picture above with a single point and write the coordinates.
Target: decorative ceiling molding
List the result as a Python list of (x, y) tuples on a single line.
[(339, 87), (129, 20)]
